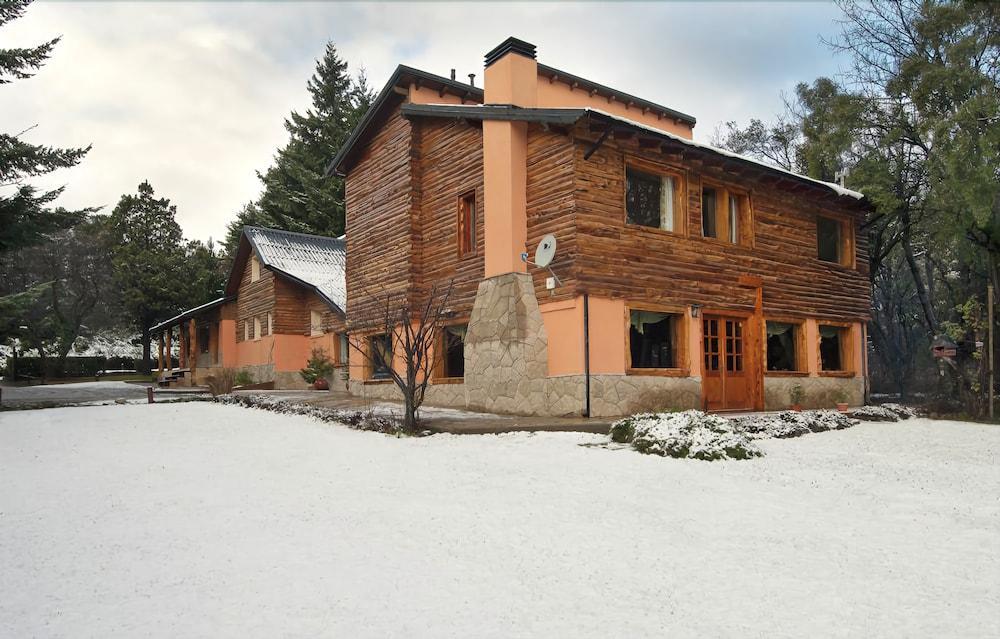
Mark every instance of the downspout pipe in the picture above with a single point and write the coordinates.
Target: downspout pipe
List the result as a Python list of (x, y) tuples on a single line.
[(586, 352)]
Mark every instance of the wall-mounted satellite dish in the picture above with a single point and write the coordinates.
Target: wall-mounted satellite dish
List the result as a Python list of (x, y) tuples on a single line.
[(546, 251), (544, 254)]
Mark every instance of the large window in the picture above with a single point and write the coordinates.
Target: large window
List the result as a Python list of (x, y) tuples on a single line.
[(345, 347), (204, 338), (654, 200), (834, 241), (782, 346), (453, 350), (653, 339), (380, 347), (467, 224), (833, 348)]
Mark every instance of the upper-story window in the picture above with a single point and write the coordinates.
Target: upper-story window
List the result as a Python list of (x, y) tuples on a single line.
[(654, 200), (834, 241), (725, 215), (467, 224), (254, 268), (315, 323)]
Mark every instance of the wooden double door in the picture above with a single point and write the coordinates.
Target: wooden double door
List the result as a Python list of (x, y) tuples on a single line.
[(726, 366)]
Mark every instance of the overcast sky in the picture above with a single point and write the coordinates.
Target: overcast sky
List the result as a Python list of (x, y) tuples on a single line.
[(192, 96)]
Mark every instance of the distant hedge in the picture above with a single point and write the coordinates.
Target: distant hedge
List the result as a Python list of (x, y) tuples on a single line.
[(74, 367)]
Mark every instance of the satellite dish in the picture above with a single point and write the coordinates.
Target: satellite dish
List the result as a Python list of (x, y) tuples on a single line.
[(546, 251)]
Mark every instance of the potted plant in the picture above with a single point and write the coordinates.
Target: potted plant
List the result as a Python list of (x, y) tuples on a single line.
[(797, 394), (840, 397), (318, 370)]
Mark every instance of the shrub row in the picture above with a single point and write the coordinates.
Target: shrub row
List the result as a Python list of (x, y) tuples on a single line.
[(359, 420)]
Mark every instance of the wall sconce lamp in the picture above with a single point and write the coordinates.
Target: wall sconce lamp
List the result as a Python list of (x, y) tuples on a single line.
[(695, 310)]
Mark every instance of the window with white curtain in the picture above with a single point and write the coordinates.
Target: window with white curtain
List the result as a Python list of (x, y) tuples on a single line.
[(652, 200)]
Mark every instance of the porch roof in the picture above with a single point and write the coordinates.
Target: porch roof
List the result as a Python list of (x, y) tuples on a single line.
[(191, 312)]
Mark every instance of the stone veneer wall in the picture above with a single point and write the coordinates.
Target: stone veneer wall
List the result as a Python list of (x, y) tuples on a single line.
[(819, 391)]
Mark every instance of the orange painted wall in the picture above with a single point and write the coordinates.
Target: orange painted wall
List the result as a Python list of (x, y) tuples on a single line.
[(607, 336), (424, 95), (227, 343), (505, 152), (564, 327), (560, 94)]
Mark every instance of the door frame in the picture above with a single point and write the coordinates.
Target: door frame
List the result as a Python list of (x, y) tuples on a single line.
[(753, 352)]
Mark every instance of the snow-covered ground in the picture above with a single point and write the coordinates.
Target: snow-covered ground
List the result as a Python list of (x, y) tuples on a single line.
[(205, 520)]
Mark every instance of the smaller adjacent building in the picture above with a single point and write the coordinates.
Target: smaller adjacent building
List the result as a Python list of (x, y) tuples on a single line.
[(285, 296)]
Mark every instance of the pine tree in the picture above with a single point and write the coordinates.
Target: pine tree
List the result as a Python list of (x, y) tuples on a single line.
[(149, 261), (25, 216), (298, 196)]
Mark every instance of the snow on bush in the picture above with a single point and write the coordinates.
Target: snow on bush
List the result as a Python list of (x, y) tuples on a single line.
[(883, 413), (355, 419), (791, 424), (691, 433)]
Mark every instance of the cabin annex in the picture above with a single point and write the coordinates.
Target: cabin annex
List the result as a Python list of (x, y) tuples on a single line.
[(284, 297), (688, 276)]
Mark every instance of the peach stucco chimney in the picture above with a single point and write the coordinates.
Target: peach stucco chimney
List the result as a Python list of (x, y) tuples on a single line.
[(511, 78)]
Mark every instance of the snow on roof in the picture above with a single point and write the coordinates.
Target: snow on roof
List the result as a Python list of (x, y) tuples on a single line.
[(314, 260), (839, 190)]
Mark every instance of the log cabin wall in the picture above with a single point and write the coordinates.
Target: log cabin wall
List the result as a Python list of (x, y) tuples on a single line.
[(290, 315), (254, 299), (451, 166), (551, 208), (616, 260), (330, 321), (381, 199)]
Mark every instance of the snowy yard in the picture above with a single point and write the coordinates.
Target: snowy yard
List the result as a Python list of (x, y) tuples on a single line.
[(204, 520)]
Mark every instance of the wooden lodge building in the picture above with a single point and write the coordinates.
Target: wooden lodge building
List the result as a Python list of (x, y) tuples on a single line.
[(688, 276), (284, 297)]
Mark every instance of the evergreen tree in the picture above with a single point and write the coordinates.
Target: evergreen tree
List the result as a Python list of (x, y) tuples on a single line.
[(149, 261), (298, 196), (26, 217)]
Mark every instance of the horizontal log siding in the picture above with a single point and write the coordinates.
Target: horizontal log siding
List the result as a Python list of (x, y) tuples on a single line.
[(450, 165), (624, 261), (290, 314), (331, 321), (551, 208), (380, 238), (254, 299)]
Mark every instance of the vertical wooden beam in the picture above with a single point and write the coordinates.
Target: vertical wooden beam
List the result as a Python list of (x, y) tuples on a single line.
[(170, 350), (182, 342), (755, 348), (159, 354), (192, 347)]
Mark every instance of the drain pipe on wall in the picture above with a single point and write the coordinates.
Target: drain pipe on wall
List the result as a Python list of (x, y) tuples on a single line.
[(586, 351)]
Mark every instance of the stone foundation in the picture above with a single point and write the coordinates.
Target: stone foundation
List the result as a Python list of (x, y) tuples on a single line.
[(819, 391)]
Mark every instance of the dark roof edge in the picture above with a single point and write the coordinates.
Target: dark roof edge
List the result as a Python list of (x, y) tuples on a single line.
[(548, 71), (402, 71), (505, 112), (510, 45)]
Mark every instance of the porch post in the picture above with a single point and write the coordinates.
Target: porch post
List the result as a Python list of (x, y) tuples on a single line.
[(159, 354), (182, 341), (192, 347), (170, 350)]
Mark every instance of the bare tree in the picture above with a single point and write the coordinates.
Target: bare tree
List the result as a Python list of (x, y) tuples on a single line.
[(396, 320)]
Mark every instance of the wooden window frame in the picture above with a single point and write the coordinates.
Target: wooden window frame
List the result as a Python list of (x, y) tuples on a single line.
[(682, 368), (343, 348), (254, 269), (370, 359), (680, 194), (246, 330), (799, 338), (315, 330), (846, 349), (747, 237), (257, 326), (460, 225), (437, 370), (847, 257)]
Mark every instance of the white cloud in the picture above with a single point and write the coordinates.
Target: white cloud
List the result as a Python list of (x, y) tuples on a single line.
[(193, 96)]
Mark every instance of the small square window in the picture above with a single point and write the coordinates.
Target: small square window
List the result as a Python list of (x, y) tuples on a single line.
[(653, 340), (344, 349), (256, 328), (782, 346), (254, 268), (653, 200), (467, 224)]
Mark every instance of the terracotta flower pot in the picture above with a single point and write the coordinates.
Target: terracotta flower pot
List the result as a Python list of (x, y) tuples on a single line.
[(321, 384), (797, 408), (842, 407)]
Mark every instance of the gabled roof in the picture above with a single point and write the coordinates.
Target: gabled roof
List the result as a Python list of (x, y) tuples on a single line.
[(314, 261), (402, 77), (553, 115)]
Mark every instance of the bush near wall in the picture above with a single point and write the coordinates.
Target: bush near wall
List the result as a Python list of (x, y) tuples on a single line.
[(31, 367)]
